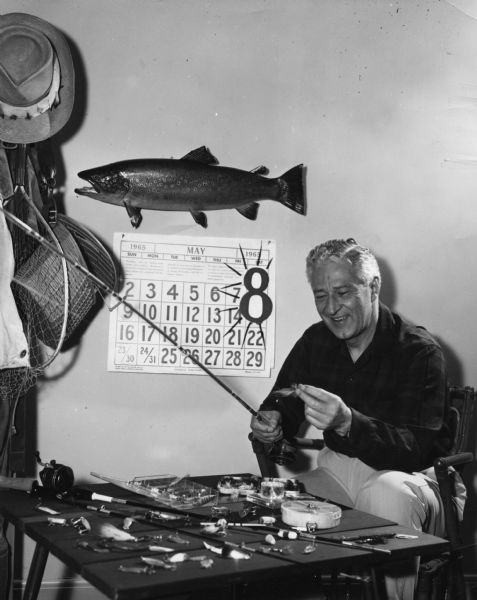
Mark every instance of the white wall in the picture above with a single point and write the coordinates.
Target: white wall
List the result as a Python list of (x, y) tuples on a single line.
[(377, 99)]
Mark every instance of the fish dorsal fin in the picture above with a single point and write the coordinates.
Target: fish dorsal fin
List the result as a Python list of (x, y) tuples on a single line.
[(203, 155), (249, 211), (199, 217), (260, 170)]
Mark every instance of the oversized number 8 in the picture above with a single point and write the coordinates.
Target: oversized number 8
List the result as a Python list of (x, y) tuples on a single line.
[(267, 304)]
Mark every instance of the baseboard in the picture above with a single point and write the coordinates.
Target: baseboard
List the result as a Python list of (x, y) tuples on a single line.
[(73, 589)]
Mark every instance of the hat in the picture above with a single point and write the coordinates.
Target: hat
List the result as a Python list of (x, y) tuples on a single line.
[(36, 79)]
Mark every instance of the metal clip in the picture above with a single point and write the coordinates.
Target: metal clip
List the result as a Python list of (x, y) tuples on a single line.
[(81, 525)]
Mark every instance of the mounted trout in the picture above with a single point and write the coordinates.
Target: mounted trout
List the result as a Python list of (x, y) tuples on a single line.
[(193, 183)]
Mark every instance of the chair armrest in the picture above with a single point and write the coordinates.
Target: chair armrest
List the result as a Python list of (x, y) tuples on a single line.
[(444, 462), (445, 476)]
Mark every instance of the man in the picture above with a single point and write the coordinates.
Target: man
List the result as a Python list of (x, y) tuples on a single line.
[(375, 385)]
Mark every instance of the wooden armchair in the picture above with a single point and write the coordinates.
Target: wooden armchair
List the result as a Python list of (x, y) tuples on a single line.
[(442, 577)]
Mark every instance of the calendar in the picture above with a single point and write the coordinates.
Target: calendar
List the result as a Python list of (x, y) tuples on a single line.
[(191, 305)]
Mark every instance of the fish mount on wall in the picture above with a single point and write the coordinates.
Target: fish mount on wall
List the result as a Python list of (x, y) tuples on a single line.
[(193, 183)]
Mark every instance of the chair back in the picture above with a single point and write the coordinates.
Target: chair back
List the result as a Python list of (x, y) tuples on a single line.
[(461, 410)]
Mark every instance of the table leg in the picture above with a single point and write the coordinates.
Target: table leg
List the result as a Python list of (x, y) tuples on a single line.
[(35, 574)]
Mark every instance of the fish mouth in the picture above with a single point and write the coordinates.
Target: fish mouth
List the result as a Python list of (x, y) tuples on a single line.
[(92, 192)]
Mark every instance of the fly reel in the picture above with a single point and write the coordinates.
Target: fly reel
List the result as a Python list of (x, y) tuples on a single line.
[(55, 477)]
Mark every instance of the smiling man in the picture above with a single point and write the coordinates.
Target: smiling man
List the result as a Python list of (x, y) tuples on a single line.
[(375, 385)]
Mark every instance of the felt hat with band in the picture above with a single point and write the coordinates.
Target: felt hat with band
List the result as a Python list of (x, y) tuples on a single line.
[(36, 79)]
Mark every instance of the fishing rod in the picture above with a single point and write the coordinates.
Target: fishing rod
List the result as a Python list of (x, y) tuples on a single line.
[(121, 299)]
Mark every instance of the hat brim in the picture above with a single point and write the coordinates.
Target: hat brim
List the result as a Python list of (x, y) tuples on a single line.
[(44, 126)]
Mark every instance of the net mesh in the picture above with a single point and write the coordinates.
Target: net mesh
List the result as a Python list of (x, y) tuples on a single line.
[(53, 297)]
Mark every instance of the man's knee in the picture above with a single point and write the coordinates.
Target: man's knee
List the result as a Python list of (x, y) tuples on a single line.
[(396, 496)]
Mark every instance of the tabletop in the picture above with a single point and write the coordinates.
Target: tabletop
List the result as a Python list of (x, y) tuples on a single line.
[(121, 571)]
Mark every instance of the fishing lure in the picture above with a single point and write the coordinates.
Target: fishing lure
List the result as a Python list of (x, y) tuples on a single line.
[(146, 570), (154, 548), (87, 546), (206, 563), (285, 392), (107, 530), (227, 551), (177, 539), (183, 556), (157, 562), (128, 522), (214, 529), (269, 539)]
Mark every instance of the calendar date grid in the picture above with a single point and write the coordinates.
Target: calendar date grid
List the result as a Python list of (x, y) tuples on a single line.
[(197, 316)]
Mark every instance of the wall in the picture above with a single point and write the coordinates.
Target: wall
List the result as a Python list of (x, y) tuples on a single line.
[(377, 99)]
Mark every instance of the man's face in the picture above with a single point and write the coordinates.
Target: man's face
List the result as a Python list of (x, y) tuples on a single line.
[(345, 304)]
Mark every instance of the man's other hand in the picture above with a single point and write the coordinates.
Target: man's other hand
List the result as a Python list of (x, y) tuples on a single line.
[(267, 426), (324, 410)]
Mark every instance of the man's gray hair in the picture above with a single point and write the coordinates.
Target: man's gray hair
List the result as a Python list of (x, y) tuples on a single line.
[(362, 259)]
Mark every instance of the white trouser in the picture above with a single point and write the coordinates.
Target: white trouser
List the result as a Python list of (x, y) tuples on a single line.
[(411, 500)]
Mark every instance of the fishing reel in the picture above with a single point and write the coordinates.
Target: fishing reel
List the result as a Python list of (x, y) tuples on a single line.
[(56, 478), (281, 452)]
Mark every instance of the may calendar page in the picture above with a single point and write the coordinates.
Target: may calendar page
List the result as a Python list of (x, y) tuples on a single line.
[(190, 302)]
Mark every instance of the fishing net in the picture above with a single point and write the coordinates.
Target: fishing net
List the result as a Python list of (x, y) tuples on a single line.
[(53, 297)]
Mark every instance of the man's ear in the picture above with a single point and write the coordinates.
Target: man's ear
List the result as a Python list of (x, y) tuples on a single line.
[(375, 286)]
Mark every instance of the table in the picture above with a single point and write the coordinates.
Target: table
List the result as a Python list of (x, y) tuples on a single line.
[(228, 576)]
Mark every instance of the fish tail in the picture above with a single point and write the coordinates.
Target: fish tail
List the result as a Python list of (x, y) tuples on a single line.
[(292, 189)]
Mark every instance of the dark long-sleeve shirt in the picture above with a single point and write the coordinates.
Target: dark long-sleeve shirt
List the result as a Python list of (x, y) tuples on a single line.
[(396, 391)]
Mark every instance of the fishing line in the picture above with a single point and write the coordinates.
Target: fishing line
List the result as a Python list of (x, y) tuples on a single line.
[(108, 290)]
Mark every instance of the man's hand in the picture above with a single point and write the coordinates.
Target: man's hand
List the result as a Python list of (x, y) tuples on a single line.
[(268, 427), (324, 410)]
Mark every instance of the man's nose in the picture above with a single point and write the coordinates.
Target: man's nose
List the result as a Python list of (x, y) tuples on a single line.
[(332, 305)]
